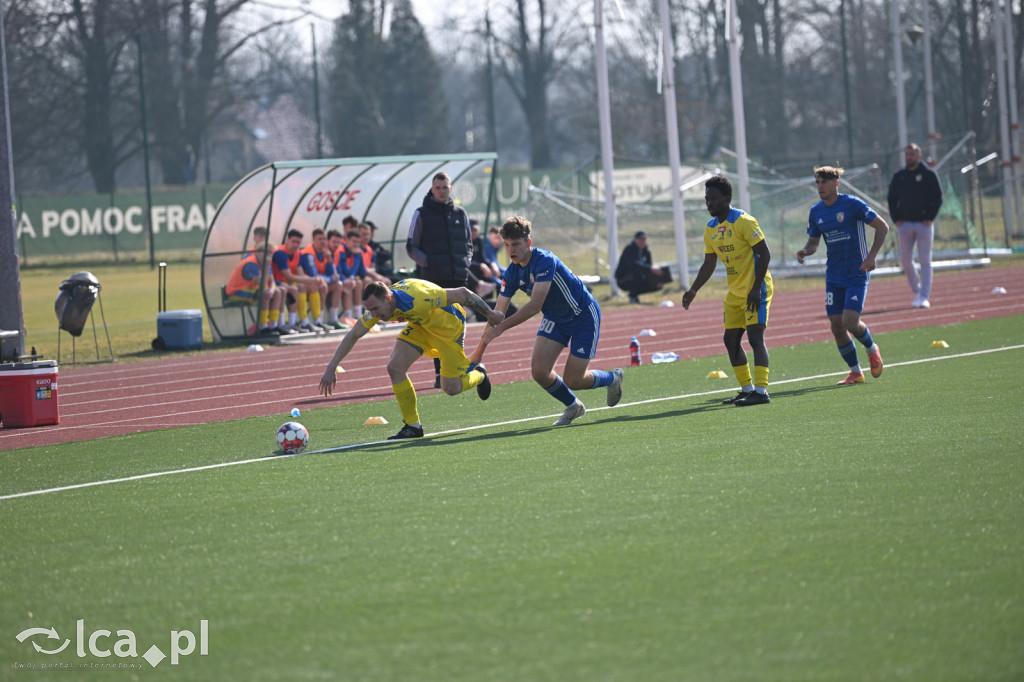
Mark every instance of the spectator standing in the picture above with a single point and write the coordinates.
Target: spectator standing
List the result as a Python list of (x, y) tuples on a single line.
[(439, 242), (915, 196), (636, 273)]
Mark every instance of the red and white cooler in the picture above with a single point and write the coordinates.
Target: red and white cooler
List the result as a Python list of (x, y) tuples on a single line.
[(28, 394)]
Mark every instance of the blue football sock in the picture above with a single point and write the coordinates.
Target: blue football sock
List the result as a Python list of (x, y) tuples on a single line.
[(849, 353), (559, 391), (866, 339), (602, 378)]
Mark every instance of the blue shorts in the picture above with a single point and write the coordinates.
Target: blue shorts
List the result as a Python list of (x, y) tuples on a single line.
[(581, 334), (839, 298)]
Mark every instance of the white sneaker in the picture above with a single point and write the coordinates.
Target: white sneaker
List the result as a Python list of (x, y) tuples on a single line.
[(615, 389), (916, 303), (570, 413), (925, 303)]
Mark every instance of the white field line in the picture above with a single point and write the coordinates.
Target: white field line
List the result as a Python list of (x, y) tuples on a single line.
[(341, 448)]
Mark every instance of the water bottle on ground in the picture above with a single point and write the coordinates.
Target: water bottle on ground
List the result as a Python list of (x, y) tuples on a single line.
[(659, 358)]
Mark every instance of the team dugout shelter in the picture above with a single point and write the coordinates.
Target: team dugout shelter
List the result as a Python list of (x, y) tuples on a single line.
[(306, 195)]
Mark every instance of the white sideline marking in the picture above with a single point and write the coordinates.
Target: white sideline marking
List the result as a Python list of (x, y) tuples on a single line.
[(341, 448)]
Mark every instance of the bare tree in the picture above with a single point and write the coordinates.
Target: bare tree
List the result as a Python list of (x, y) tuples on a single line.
[(100, 44), (385, 91), (533, 50), (187, 47), (42, 100)]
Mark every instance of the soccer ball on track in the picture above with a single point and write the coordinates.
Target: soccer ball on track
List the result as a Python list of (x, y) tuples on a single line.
[(292, 438)]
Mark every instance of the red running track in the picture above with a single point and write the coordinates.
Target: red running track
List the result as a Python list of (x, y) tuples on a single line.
[(98, 400)]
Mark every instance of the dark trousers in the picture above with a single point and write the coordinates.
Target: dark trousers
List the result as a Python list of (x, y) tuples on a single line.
[(644, 281)]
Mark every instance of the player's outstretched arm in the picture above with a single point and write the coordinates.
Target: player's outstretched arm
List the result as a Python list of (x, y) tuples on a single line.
[(330, 377), (468, 299), (525, 312)]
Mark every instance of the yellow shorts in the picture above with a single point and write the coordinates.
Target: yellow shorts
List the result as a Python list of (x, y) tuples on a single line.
[(246, 295), (735, 314), (450, 351)]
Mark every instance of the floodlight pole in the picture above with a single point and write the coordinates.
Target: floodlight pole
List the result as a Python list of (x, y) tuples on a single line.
[(897, 55), (1006, 152), (145, 154), (492, 125), (607, 163), (739, 122), (11, 316), (672, 129), (1011, 84), (929, 85), (846, 83), (316, 97)]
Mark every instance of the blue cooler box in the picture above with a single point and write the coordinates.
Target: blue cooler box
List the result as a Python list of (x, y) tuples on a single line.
[(180, 329)]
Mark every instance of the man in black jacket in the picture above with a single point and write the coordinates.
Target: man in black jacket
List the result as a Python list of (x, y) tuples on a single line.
[(636, 273), (915, 197), (439, 242)]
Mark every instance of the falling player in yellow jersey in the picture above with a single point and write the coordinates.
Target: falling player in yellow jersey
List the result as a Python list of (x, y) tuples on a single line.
[(735, 238), (435, 324)]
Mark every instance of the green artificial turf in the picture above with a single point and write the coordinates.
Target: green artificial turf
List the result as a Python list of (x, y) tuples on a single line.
[(870, 532)]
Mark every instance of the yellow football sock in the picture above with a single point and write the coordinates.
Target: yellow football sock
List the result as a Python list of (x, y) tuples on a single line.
[(742, 373), (472, 379), (302, 305), (405, 393), (264, 317), (314, 305), (275, 316), (760, 376)]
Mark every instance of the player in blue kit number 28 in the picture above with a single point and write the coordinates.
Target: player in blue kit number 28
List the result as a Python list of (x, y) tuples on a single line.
[(572, 318), (840, 219)]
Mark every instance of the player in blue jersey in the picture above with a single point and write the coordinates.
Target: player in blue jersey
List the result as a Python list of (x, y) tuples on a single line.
[(572, 318), (840, 219)]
